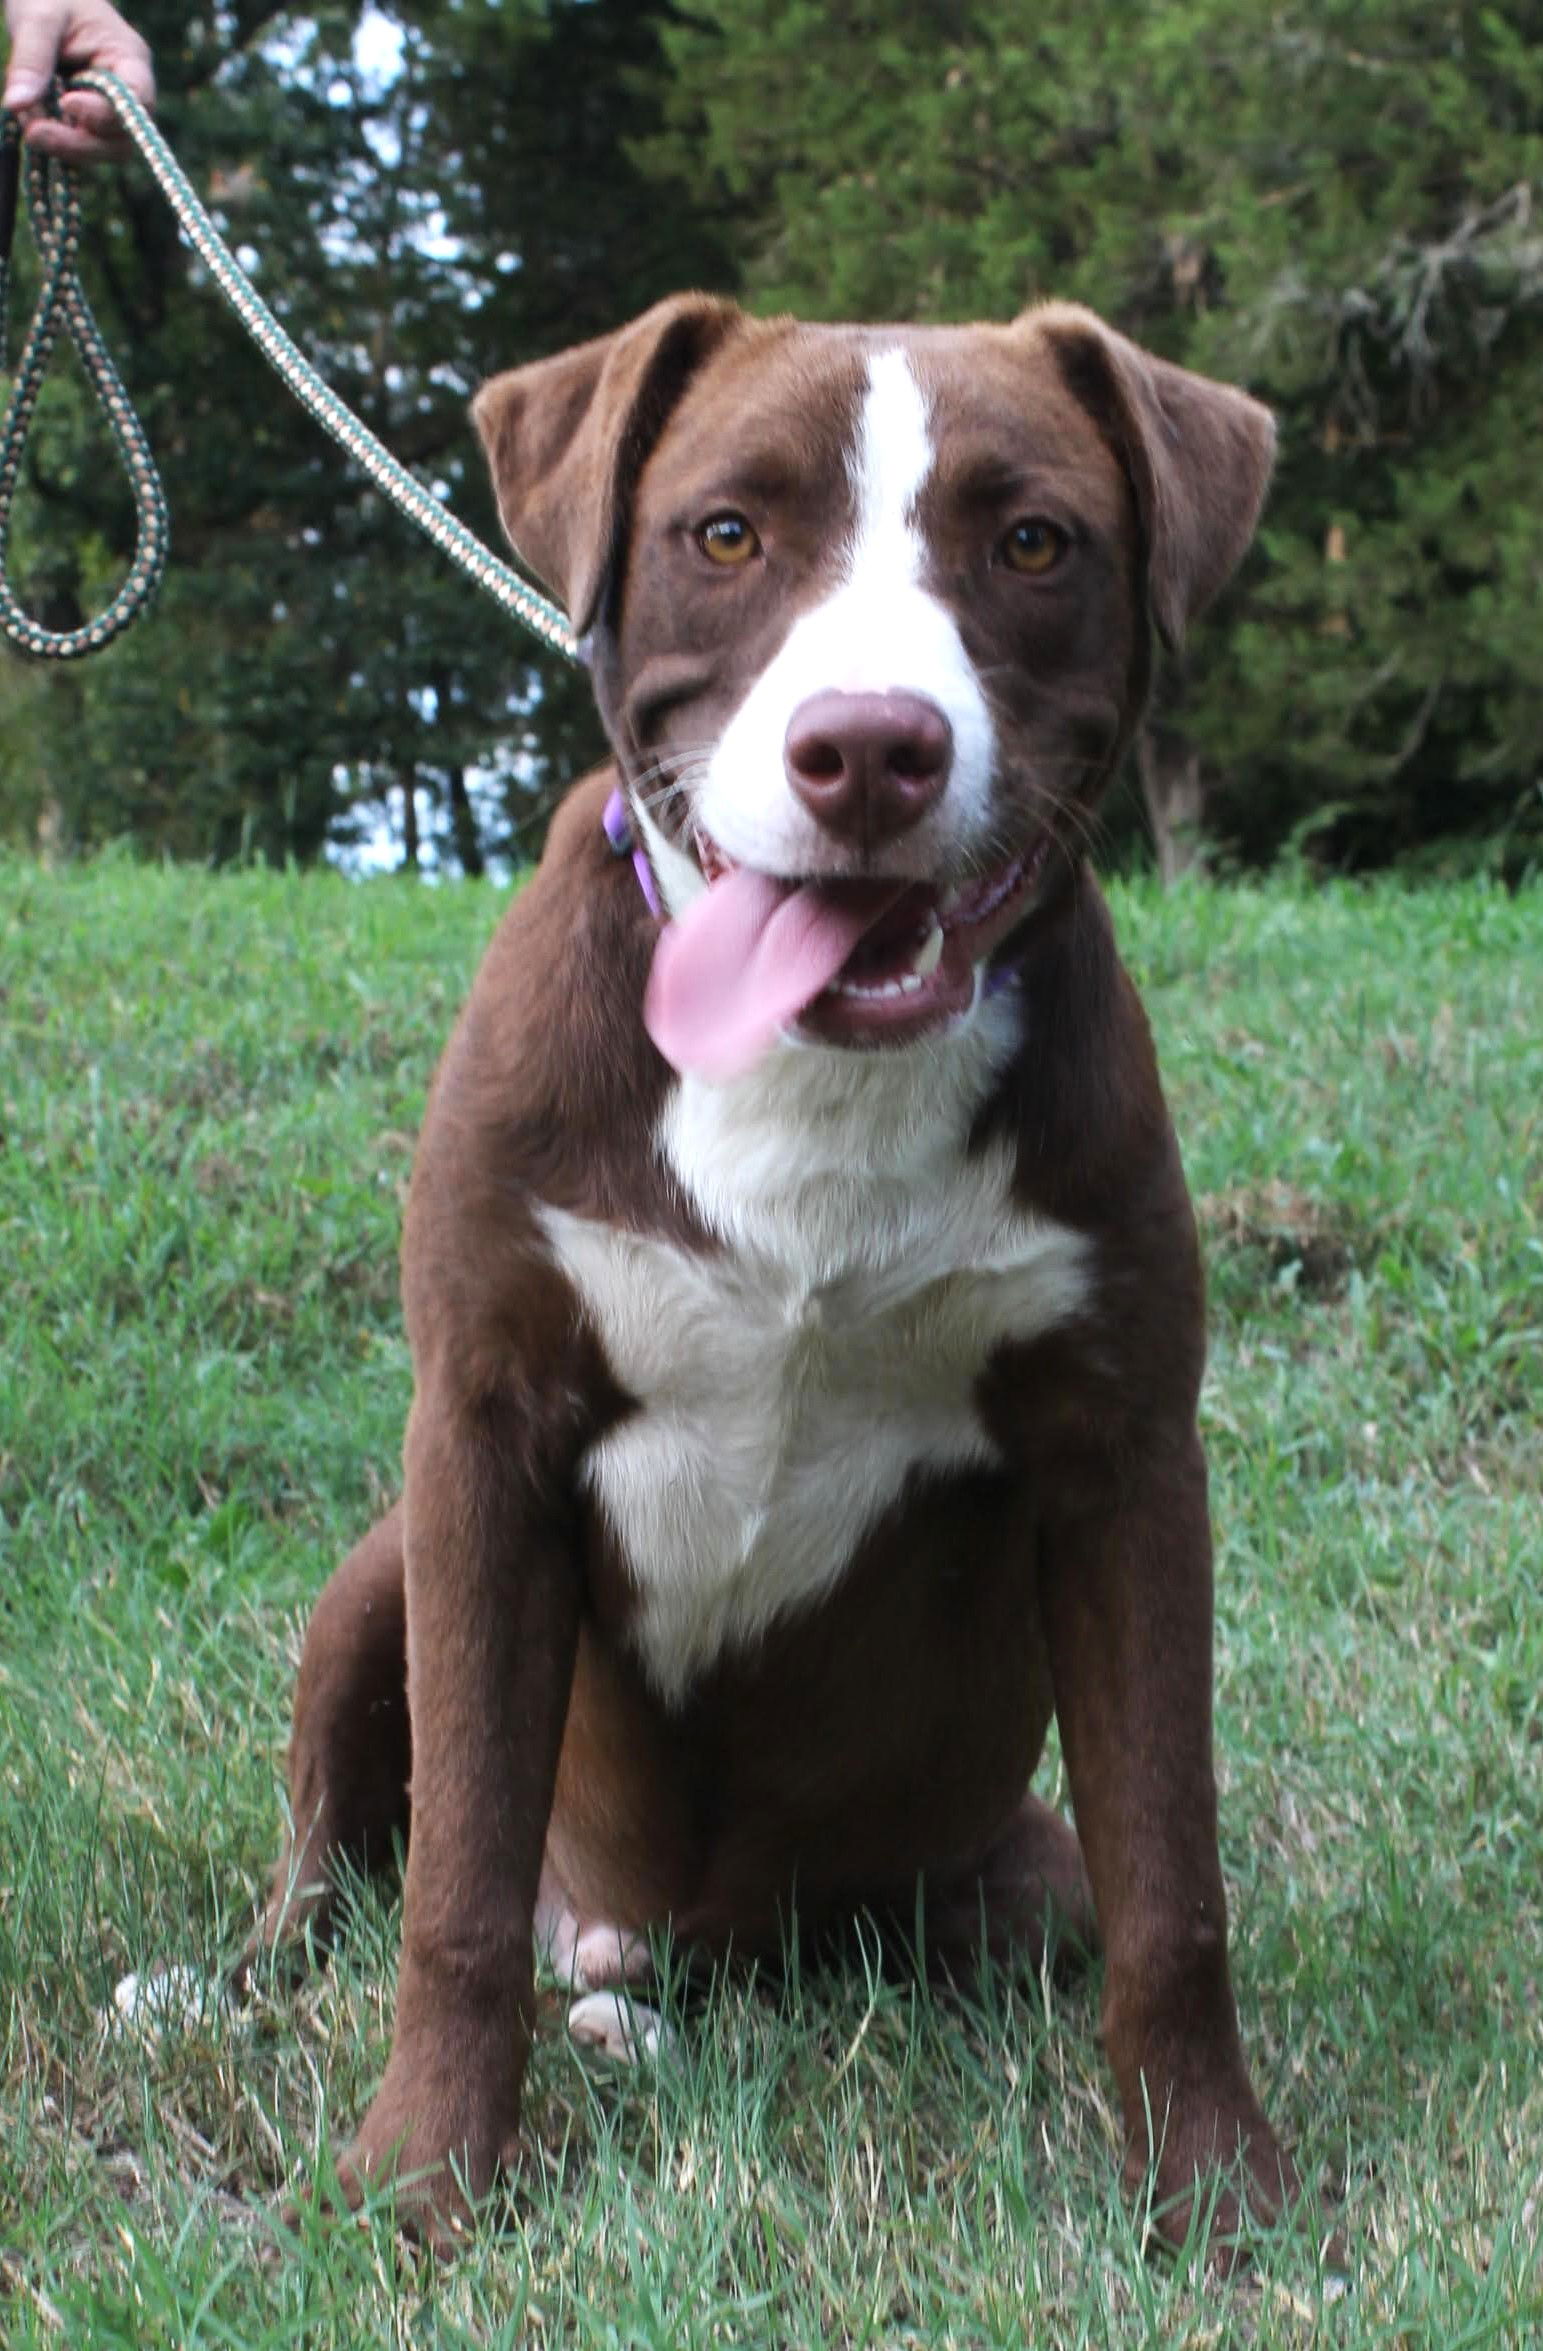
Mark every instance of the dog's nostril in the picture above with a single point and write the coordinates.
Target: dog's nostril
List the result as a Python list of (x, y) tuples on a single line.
[(820, 760), (912, 759), (868, 765)]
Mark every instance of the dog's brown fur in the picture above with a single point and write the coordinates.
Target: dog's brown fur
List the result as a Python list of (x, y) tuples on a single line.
[(890, 1731)]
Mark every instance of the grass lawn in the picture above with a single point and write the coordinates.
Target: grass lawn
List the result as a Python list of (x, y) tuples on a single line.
[(208, 1092)]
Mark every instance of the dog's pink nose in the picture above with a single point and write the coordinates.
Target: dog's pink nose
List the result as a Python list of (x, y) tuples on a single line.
[(868, 766)]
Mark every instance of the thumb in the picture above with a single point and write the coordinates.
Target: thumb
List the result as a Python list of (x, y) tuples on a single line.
[(34, 52)]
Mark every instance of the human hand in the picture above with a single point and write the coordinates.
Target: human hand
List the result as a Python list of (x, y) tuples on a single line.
[(49, 36)]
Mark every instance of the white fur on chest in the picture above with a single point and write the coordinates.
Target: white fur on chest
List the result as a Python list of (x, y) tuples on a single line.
[(790, 1383)]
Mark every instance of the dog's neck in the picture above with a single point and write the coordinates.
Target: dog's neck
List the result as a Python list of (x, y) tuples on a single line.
[(835, 1147)]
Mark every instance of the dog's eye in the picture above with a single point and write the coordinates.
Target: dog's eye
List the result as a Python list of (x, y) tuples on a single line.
[(1034, 545), (727, 539)]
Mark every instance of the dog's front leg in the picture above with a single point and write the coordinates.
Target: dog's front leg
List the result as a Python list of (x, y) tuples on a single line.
[(492, 1616), (1127, 1598)]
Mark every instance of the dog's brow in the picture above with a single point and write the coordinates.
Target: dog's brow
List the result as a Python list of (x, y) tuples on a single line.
[(762, 478), (987, 478)]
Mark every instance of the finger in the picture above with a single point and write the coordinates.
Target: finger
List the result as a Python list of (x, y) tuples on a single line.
[(22, 87), (34, 46), (130, 65), (49, 136), (96, 36), (83, 110)]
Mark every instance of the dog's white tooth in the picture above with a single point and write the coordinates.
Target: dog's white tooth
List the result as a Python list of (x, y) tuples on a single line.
[(930, 953), (910, 985), (950, 898)]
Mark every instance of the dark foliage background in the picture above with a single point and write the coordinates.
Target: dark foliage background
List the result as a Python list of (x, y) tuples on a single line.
[(1336, 204)]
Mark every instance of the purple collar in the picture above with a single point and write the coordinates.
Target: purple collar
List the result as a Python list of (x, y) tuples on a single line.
[(617, 821), (618, 831)]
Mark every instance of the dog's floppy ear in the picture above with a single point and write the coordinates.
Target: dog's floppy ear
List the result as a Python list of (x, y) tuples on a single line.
[(1198, 454), (566, 438)]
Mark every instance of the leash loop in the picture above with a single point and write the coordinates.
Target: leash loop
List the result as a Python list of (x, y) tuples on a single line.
[(53, 205)]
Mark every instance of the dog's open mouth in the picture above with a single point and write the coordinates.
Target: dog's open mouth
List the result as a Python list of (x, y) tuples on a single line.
[(860, 963)]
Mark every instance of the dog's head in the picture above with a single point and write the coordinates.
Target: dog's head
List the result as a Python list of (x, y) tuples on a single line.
[(870, 613)]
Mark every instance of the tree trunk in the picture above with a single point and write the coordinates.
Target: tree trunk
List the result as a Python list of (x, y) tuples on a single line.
[(410, 820), (463, 824), (1174, 792)]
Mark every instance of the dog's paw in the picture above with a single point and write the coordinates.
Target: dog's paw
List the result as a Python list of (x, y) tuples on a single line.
[(620, 2028), (599, 1957), (1219, 2179), (440, 2143), (295, 1932)]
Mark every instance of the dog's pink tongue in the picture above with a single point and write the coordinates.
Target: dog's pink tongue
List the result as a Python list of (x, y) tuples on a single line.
[(747, 957)]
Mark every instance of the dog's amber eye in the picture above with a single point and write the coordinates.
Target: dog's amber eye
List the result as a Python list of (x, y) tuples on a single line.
[(727, 539), (1033, 546)]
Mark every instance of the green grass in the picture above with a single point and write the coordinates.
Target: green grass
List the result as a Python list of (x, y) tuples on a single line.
[(207, 1096)]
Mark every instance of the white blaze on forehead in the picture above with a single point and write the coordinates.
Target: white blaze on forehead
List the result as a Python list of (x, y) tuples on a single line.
[(880, 628), (890, 464)]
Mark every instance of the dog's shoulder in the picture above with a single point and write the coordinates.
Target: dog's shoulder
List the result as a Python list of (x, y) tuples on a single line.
[(1083, 1114), (558, 989), (548, 1085), (547, 1093), (1082, 1103)]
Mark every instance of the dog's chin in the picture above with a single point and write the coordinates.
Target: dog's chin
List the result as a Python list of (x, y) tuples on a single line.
[(920, 968)]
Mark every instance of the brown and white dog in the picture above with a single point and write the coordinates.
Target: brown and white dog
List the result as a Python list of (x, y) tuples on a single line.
[(804, 1300)]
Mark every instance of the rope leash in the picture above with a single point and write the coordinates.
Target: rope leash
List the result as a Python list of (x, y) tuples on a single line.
[(54, 211), (54, 207)]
